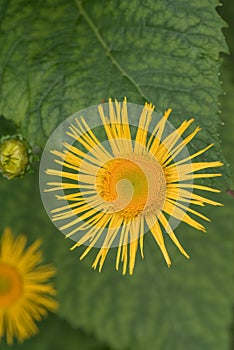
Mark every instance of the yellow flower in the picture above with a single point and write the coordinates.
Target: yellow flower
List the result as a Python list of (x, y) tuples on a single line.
[(25, 296), (134, 183)]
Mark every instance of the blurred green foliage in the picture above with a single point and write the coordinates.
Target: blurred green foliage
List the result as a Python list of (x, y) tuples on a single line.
[(227, 76), (187, 306), (59, 335)]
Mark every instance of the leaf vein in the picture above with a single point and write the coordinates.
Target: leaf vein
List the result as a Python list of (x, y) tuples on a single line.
[(107, 50)]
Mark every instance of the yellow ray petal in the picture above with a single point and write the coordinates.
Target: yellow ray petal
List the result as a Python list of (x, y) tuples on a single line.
[(155, 229), (113, 230), (108, 129), (175, 151), (176, 194), (188, 158), (94, 138), (198, 176), (86, 156), (93, 233), (142, 130), (95, 149), (93, 224), (179, 194), (134, 237), (125, 123), (91, 244), (74, 212), (124, 230), (77, 220), (164, 150), (170, 232), (60, 186), (116, 125), (113, 118), (67, 165), (181, 215), (198, 187), (68, 157), (74, 196), (156, 135), (185, 169), (133, 251), (63, 174), (142, 237), (186, 208), (69, 206)]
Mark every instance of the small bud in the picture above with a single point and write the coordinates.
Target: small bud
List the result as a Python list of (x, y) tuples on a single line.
[(13, 158)]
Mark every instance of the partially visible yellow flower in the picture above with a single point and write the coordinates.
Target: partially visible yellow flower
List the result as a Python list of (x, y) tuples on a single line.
[(25, 295), (139, 181)]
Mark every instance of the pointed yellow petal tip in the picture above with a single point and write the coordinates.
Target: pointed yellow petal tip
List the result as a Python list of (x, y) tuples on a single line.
[(125, 99), (167, 113), (149, 106), (219, 164)]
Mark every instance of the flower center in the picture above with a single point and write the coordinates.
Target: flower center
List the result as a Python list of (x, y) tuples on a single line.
[(132, 185), (10, 285)]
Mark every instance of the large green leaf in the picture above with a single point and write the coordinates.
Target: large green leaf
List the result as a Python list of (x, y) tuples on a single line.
[(60, 56), (157, 307)]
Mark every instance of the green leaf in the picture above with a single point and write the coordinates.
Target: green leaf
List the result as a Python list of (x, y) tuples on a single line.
[(156, 308), (58, 57), (7, 127), (57, 334)]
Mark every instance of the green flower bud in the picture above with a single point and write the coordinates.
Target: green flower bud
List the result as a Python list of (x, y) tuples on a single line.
[(13, 158)]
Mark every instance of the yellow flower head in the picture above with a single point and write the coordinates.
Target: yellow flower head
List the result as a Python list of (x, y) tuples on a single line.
[(117, 190), (25, 295)]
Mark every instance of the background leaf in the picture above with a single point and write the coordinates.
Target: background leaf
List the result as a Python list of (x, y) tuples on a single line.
[(58, 57), (57, 334), (188, 305), (227, 76)]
